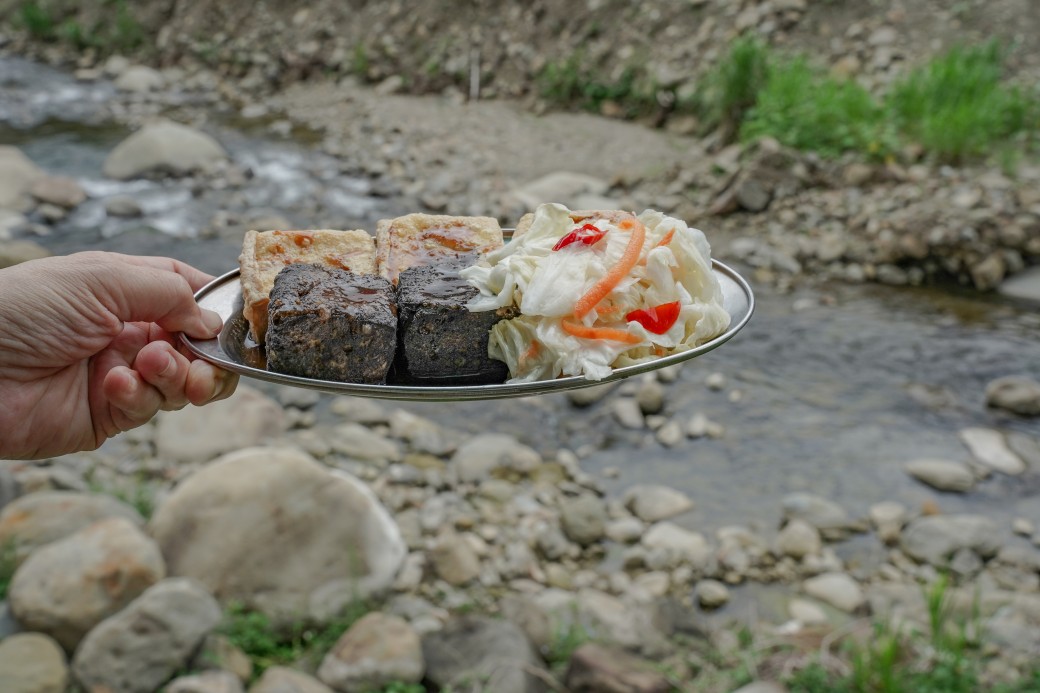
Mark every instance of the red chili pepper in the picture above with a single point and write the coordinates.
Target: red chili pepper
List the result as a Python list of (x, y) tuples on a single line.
[(658, 319), (587, 234)]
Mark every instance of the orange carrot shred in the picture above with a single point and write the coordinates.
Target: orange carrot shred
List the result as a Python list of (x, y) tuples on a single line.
[(615, 274), (531, 352), (666, 239), (607, 333)]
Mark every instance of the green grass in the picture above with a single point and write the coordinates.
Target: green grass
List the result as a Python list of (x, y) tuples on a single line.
[(570, 82), (566, 639), (118, 32), (734, 85), (957, 107), (8, 564), (37, 21)]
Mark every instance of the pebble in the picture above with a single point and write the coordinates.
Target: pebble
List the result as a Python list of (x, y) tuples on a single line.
[(798, 539), (944, 475), (454, 560), (990, 448), (286, 680), (806, 612), (700, 426), (651, 503), (627, 412), (837, 589), (933, 539), (1017, 394), (32, 663), (716, 381), (625, 530), (583, 518), (587, 396), (377, 650), (1023, 527), (650, 396), (670, 434), (711, 594), (123, 206)]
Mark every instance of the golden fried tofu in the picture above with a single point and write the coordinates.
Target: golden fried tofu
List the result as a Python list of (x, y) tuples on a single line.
[(265, 253), (418, 240)]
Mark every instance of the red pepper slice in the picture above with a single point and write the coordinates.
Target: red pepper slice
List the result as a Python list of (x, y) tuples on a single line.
[(658, 319), (587, 234)]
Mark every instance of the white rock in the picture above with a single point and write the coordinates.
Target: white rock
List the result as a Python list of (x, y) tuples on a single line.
[(140, 78), (1023, 526), (806, 612), (650, 396), (116, 65), (60, 191), (716, 381), (711, 594), (479, 456), (286, 680), (824, 515), (205, 682), (837, 589), (670, 435), (32, 663), (944, 475), (627, 412), (888, 518), (652, 503), (933, 539), (1018, 394), (625, 530), (682, 545), (799, 539), (990, 448), (163, 147), (362, 443)]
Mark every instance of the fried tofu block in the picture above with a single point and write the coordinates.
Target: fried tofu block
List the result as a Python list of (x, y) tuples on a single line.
[(437, 336), (265, 254), (331, 324), (417, 240)]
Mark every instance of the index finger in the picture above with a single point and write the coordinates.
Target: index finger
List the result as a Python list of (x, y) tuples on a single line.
[(196, 278)]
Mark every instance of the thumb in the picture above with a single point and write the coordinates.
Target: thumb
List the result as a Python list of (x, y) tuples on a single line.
[(141, 294)]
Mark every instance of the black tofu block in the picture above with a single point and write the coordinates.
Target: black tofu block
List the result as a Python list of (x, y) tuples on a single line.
[(331, 324), (438, 338)]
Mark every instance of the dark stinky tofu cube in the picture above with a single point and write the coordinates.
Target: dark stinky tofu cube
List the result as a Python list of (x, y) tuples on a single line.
[(438, 338), (331, 324)]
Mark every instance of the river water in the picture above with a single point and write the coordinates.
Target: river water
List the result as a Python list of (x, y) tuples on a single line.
[(828, 390)]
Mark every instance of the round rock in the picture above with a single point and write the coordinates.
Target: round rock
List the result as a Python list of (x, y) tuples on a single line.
[(163, 147), (69, 586), (32, 663), (943, 475), (837, 589), (377, 650), (479, 456), (470, 649), (799, 539), (584, 518), (711, 594), (652, 503), (231, 525), (1015, 393), (60, 191)]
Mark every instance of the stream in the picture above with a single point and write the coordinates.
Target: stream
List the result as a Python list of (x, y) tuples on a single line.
[(829, 390)]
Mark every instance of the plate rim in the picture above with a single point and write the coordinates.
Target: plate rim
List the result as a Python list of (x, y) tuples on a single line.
[(451, 393)]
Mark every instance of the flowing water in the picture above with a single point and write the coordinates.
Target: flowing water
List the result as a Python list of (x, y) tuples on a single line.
[(830, 390)]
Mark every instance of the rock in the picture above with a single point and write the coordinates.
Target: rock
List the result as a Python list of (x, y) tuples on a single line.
[(1024, 286), (525, 613), (206, 682), (650, 396), (627, 412), (625, 530), (51, 214), (285, 680), (267, 499), (116, 65), (140, 78), (671, 434), (651, 503), (32, 663), (362, 443), (10, 489), (454, 560), (123, 206), (11, 222), (584, 518), (16, 252), (587, 396), (68, 586), (473, 648), (681, 545), (562, 186), (218, 652), (597, 669), (798, 539), (1018, 394), (888, 518), (163, 148), (990, 448), (837, 589), (609, 620), (934, 538), (943, 475), (1023, 527), (40, 518), (479, 456), (826, 516), (61, 191), (142, 646), (711, 594), (17, 176), (761, 687), (197, 434), (806, 612), (377, 650)]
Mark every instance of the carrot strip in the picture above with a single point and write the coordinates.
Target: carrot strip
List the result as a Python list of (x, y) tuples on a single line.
[(608, 333), (615, 274), (666, 239), (531, 352)]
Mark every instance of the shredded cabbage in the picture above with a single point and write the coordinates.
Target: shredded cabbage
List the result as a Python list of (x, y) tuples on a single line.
[(546, 284)]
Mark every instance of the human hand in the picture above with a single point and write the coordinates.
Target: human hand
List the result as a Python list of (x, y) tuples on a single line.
[(87, 349)]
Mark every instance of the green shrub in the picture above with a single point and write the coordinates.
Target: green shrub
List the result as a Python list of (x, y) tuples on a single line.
[(37, 21), (956, 106), (571, 83), (735, 83), (806, 110)]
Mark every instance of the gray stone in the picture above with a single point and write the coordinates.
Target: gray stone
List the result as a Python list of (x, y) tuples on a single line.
[(480, 651), (51, 214), (361, 443), (421, 434), (218, 652), (60, 191), (478, 457), (1024, 286), (650, 396), (935, 538), (680, 545), (607, 619), (285, 680), (597, 669), (143, 645), (943, 475), (799, 539), (1018, 394), (625, 530), (140, 78), (711, 594), (524, 613), (163, 147), (123, 206), (40, 518), (806, 612), (837, 589), (627, 412), (888, 518), (16, 252), (377, 650), (990, 448), (652, 503), (454, 560), (32, 663), (826, 516), (116, 65), (17, 175), (69, 586), (198, 434), (584, 518), (206, 682), (257, 504)]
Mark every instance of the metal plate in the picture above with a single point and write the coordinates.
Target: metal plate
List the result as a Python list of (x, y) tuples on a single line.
[(235, 352)]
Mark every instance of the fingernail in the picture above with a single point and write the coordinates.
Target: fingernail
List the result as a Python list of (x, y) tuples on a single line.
[(212, 321), (169, 368)]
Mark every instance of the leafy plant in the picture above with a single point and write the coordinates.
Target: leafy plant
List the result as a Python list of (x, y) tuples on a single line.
[(8, 564), (736, 82), (571, 82), (37, 21), (566, 639)]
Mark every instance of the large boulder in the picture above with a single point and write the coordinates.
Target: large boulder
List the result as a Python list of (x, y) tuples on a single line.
[(164, 148), (17, 175), (474, 648), (142, 646), (32, 663), (198, 434), (232, 524), (69, 586), (378, 650), (40, 518)]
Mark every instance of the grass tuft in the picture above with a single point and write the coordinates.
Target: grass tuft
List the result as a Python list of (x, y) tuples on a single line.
[(571, 82), (735, 84), (37, 21)]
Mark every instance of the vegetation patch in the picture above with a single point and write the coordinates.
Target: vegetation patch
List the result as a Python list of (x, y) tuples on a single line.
[(572, 82)]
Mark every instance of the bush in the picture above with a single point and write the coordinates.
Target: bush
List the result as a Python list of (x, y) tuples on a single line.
[(734, 86)]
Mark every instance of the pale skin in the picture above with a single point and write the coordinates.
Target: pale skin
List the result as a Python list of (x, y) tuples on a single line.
[(88, 349)]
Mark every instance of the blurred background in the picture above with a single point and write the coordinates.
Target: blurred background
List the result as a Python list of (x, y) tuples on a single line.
[(843, 498)]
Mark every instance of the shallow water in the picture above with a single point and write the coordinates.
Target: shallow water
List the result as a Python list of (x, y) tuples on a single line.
[(836, 387)]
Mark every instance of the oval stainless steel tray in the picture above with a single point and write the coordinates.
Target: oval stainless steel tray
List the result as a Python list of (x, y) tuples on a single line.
[(233, 350)]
